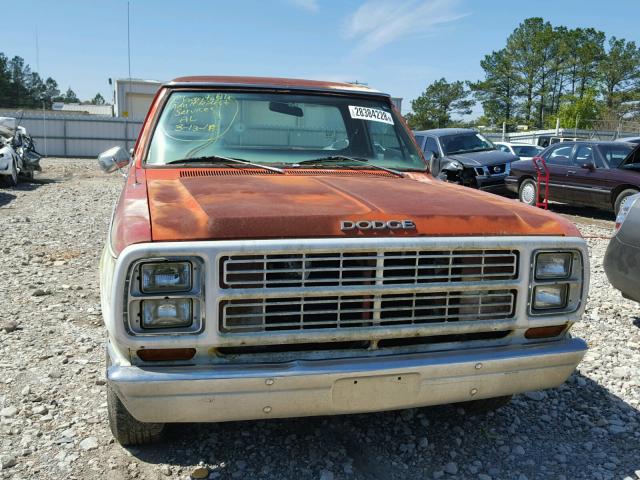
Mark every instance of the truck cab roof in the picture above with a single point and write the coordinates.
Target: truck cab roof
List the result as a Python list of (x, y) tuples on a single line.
[(272, 83)]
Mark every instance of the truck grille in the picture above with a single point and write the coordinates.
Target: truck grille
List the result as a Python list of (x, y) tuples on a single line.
[(329, 269), (353, 311), (492, 170)]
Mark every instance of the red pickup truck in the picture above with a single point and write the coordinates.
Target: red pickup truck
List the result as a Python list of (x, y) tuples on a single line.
[(280, 249)]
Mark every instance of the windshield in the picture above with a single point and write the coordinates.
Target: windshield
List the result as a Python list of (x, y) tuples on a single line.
[(526, 150), (464, 143), (615, 154), (281, 129)]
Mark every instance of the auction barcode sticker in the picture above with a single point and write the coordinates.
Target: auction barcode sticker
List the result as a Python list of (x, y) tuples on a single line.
[(373, 114)]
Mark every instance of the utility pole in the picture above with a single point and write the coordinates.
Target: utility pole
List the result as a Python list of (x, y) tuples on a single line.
[(44, 113), (128, 94), (37, 52)]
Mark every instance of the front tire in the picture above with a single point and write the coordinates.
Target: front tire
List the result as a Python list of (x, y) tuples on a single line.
[(528, 192), (620, 199), (125, 428)]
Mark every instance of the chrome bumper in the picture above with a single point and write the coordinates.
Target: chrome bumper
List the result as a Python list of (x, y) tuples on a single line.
[(327, 387)]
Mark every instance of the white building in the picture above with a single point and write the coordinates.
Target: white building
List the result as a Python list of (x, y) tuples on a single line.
[(106, 109), (133, 97)]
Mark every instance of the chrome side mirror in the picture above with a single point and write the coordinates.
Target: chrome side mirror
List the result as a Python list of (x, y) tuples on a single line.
[(432, 159), (113, 159)]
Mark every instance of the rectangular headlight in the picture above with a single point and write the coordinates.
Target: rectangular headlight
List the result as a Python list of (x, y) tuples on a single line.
[(547, 297), (167, 313), (553, 265), (165, 277)]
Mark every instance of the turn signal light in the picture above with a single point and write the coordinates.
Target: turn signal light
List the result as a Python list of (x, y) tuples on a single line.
[(544, 332), (166, 354)]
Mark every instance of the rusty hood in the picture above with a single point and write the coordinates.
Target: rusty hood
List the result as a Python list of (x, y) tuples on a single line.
[(204, 207)]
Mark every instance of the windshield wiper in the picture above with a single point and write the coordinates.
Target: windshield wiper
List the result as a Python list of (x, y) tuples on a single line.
[(221, 159), (342, 158)]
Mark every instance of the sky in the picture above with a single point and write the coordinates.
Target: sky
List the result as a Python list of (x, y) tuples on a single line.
[(397, 46)]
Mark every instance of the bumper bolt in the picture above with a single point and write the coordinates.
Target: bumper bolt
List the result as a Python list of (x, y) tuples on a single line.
[(473, 391), (266, 409), (269, 381), (478, 366)]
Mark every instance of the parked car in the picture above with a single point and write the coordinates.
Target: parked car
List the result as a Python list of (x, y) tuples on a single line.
[(522, 150), (596, 174), (629, 140), (465, 156), (546, 140), (279, 249), (9, 161), (622, 258), (18, 157)]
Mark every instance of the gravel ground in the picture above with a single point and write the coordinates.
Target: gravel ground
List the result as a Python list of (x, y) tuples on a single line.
[(53, 415)]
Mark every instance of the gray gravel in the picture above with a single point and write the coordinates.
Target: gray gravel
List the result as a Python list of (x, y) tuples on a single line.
[(53, 419)]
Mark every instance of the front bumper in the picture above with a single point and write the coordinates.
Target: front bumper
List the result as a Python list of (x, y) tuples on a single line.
[(492, 183), (511, 184), (327, 387)]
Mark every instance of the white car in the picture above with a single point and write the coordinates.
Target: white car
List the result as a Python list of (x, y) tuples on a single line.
[(8, 164), (523, 150)]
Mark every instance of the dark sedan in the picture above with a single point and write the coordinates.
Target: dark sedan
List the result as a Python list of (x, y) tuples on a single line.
[(465, 156), (622, 260), (595, 174)]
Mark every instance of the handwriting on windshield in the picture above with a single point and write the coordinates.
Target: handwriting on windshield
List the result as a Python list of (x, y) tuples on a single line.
[(200, 113)]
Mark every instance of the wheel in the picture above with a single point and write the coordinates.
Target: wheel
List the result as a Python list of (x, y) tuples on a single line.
[(126, 429), (10, 180), (479, 407), (622, 196), (527, 192)]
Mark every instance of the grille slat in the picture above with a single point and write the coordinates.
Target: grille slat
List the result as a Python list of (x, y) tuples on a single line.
[(365, 268), (352, 311)]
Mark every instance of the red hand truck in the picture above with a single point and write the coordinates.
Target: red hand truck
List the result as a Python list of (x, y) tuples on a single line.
[(543, 175)]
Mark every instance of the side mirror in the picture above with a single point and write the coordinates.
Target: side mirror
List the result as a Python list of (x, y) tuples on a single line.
[(589, 166), (113, 159), (432, 159)]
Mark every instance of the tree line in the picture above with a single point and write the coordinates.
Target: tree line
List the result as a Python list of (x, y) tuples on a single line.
[(22, 88), (543, 73)]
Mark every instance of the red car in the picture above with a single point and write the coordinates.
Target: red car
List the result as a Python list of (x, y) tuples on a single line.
[(595, 174)]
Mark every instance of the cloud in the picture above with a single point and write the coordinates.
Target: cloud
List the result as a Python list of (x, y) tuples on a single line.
[(377, 23), (309, 5)]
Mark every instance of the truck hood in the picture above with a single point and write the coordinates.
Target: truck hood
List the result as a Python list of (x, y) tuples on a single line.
[(286, 206), (482, 159)]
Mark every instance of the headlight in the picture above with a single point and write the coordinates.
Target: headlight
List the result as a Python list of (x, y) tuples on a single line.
[(165, 296), (553, 265), (556, 282), (167, 313), (550, 296), (166, 277)]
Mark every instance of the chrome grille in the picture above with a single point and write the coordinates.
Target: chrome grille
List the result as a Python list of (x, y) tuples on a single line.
[(353, 311), (330, 269)]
